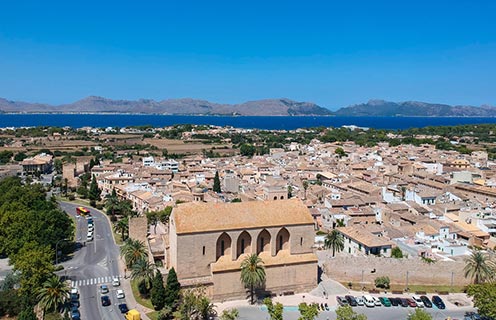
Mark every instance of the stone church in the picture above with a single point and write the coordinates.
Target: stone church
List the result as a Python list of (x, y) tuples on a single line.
[(208, 242)]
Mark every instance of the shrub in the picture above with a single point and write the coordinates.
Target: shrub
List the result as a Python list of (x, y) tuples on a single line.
[(71, 197), (382, 282)]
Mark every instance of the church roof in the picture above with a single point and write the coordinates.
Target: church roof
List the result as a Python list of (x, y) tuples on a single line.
[(203, 217)]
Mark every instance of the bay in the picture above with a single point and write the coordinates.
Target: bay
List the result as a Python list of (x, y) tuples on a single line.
[(270, 123)]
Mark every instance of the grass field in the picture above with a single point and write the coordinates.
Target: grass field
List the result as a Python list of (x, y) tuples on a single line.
[(144, 302)]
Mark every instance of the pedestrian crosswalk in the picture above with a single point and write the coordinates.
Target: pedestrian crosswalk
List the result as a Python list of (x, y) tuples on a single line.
[(93, 281)]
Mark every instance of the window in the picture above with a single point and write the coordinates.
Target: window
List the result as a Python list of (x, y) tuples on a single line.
[(275, 198), (261, 244), (203, 250), (222, 246), (280, 242), (242, 246), (301, 241)]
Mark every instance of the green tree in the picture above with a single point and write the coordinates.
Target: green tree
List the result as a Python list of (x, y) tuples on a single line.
[(308, 311), (479, 267), (27, 314), (396, 253), (20, 156), (216, 187), (347, 313), (305, 187), (229, 314), (247, 150), (94, 192), (334, 240), (274, 310), (5, 156), (382, 282), (58, 165), (252, 273), (53, 294), (419, 314), (122, 227), (112, 203), (172, 290), (340, 152), (132, 251), (143, 270), (152, 219), (484, 296), (164, 215), (290, 192), (195, 305), (158, 292)]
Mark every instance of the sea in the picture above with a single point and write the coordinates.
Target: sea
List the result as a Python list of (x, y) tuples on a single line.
[(267, 123)]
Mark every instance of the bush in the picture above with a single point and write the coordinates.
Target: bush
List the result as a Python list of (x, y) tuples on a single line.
[(143, 290), (382, 282), (71, 197)]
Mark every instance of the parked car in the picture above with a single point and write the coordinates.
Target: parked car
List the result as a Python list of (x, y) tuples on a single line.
[(377, 302), (105, 301), (74, 297), (385, 301), (74, 291), (116, 282), (120, 294), (404, 302), (75, 303), (438, 302), (75, 314), (351, 301), (326, 306), (418, 301), (369, 301), (411, 302), (426, 301), (395, 301), (360, 301), (123, 308), (341, 301), (104, 289)]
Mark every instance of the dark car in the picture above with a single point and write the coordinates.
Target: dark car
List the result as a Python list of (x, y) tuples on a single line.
[(404, 302), (395, 301), (351, 301), (105, 301), (74, 297), (341, 301), (75, 314), (326, 306), (438, 302), (75, 303), (123, 308), (411, 302), (427, 303)]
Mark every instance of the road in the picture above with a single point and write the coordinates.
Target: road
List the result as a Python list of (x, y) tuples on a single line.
[(381, 313), (94, 264)]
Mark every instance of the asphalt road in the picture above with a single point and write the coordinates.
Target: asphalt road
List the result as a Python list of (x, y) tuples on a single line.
[(379, 313), (92, 265)]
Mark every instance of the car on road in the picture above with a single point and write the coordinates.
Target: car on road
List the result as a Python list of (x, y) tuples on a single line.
[(104, 289), (75, 314), (351, 301), (89, 236), (427, 303), (90, 228), (123, 308), (105, 301), (360, 301), (411, 302), (369, 301), (341, 301), (116, 282), (385, 301), (120, 294), (438, 302)]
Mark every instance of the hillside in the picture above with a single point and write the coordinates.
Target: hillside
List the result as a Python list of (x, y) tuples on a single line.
[(93, 104)]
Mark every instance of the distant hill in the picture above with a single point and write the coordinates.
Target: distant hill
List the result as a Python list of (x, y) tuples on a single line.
[(414, 108), (92, 104)]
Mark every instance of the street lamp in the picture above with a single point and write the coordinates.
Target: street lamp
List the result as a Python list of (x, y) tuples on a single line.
[(57, 250)]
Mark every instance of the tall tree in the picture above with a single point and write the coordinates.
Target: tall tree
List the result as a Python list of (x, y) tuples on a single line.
[(143, 270), (334, 240), (347, 313), (133, 251), (152, 219), (172, 290), (484, 296), (305, 187), (216, 187), (94, 192), (53, 294), (252, 273), (479, 267), (275, 310), (122, 227), (308, 311), (158, 291), (111, 203)]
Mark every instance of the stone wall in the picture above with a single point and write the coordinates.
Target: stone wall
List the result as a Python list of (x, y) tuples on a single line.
[(345, 268)]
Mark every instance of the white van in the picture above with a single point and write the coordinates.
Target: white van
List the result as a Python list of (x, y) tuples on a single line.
[(369, 301)]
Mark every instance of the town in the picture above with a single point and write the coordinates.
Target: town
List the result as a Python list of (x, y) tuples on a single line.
[(337, 219)]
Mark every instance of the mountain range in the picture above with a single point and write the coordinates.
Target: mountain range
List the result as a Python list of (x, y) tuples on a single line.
[(267, 107)]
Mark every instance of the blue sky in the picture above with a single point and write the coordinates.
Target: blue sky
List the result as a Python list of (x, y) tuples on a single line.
[(334, 53)]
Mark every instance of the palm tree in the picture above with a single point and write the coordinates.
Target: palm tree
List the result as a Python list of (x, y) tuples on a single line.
[(479, 267), (122, 227), (252, 273), (53, 294), (334, 240), (112, 203), (143, 270), (132, 251), (305, 186)]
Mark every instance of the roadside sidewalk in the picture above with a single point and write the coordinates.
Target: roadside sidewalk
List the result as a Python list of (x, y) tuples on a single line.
[(131, 301)]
